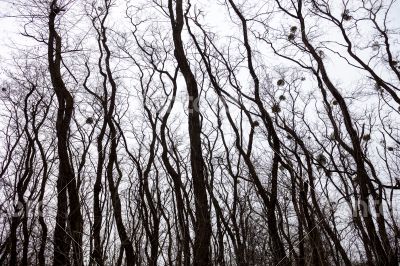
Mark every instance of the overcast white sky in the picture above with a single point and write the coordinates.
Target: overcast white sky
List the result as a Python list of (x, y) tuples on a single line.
[(11, 40)]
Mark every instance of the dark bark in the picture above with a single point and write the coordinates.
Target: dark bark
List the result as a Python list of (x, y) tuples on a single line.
[(66, 178), (202, 241)]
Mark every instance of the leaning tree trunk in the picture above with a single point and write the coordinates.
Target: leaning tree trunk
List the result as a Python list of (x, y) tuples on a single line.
[(203, 224), (66, 178)]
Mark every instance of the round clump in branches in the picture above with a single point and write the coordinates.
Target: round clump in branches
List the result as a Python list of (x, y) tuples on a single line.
[(346, 16), (375, 46), (378, 88), (321, 159), (280, 82), (366, 137), (390, 149), (89, 120), (334, 102), (293, 29), (256, 124), (276, 108), (328, 173), (3, 89), (291, 36), (282, 97)]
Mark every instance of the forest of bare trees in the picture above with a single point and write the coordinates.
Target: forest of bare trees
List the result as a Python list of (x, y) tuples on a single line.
[(199, 132)]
